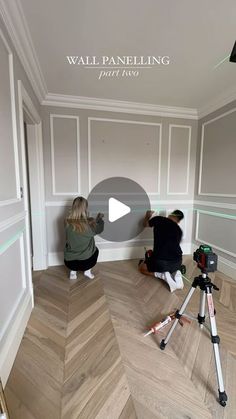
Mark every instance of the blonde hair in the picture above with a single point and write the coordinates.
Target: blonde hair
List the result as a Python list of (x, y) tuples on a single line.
[(78, 215)]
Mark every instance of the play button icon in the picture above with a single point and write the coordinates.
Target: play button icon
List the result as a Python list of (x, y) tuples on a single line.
[(123, 203), (117, 210)]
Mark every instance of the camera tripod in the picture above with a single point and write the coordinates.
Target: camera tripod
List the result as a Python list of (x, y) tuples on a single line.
[(205, 285)]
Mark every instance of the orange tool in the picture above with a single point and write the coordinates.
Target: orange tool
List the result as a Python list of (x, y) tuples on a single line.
[(156, 327)]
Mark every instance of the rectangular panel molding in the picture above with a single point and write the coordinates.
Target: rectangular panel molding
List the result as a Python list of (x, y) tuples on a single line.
[(65, 153), (107, 151), (227, 232), (16, 293), (210, 170), (9, 164), (179, 152)]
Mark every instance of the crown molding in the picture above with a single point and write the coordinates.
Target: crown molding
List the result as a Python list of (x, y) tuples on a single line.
[(16, 25), (68, 101), (217, 104)]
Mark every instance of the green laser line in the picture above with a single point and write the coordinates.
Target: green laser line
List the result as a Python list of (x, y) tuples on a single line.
[(219, 214), (188, 280), (221, 62), (10, 241)]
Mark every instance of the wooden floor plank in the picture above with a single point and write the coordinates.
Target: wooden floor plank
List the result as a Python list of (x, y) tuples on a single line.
[(84, 355)]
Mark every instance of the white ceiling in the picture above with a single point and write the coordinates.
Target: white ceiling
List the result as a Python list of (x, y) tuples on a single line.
[(195, 34)]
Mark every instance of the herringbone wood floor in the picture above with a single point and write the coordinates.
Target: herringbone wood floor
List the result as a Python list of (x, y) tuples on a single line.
[(84, 356)]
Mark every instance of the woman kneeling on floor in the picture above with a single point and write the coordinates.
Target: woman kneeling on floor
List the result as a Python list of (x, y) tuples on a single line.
[(81, 253)]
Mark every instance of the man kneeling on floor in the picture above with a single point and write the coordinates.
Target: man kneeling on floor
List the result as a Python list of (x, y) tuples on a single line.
[(166, 258)]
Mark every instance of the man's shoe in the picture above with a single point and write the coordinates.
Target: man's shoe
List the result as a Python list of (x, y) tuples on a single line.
[(160, 275), (172, 284), (178, 279)]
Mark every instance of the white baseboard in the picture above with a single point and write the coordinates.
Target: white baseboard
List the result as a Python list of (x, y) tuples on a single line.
[(121, 253), (13, 339), (55, 259), (112, 254), (136, 252), (40, 264)]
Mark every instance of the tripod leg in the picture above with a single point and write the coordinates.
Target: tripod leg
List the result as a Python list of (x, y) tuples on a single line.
[(180, 312), (201, 314), (215, 341)]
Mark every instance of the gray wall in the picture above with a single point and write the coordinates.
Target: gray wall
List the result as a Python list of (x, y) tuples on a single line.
[(83, 147), (215, 187)]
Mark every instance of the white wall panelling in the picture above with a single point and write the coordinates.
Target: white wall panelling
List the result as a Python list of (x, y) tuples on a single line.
[(224, 205), (11, 132), (139, 162), (185, 180), (8, 222), (12, 289), (223, 232), (212, 158), (15, 290), (53, 168)]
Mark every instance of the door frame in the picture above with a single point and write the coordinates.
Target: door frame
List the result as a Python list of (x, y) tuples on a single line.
[(36, 169)]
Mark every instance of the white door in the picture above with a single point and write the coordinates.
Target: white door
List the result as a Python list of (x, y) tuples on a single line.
[(16, 291)]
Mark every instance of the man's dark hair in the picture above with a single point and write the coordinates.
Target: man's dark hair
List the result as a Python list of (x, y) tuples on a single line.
[(178, 214)]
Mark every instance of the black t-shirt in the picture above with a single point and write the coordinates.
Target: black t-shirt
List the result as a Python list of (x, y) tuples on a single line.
[(167, 237)]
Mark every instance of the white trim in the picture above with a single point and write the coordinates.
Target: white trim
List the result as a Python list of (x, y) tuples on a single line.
[(124, 121), (215, 204), (10, 202), (201, 158), (28, 105), (38, 224), (21, 294), (213, 106), (82, 102), (169, 158), (19, 33), (209, 121), (40, 259), (58, 203), (159, 165), (54, 193), (218, 194), (161, 203), (197, 238), (89, 156), (9, 222), (14, 126), (112, 254)]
